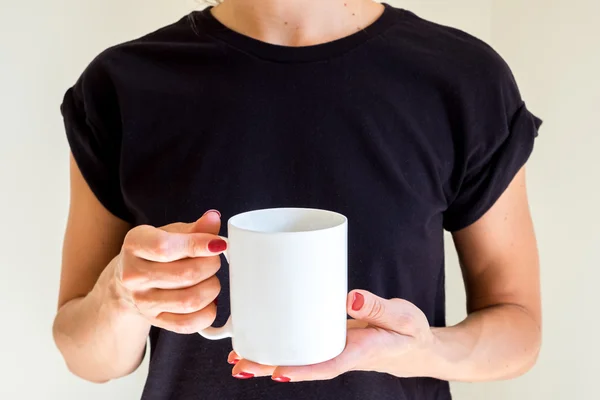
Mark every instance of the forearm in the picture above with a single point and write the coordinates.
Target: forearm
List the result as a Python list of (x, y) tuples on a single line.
[(499, 342), (99, 336)]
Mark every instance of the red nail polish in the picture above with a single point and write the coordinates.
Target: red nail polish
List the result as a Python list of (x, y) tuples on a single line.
[(280, 378), (217, 245), (216, 301), (243, 375), (358, 301), (234, 361), (213, 211)]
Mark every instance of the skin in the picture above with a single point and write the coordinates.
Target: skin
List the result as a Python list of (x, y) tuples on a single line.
[(116, 281), (297, 22)]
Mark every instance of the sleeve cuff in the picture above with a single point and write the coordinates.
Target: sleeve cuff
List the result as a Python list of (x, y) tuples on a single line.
[(497, 175)]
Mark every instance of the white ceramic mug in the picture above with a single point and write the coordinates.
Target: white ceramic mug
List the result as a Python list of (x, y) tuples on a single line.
[(288, 284)]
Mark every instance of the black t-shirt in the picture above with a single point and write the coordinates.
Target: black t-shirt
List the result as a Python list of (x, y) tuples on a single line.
[(407, 127)]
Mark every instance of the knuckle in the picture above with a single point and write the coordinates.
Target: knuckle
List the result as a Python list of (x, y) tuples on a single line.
[(132, 237), (129, 276), (142, 302), (145, 239), (130, 243), (151, 276), (189, 304), (160, 246), (193, 247), (188, 274), (377, 310)]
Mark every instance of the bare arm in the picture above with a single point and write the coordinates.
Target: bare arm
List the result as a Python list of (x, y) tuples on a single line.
[(501, 336), (117, 282), (98, 337)]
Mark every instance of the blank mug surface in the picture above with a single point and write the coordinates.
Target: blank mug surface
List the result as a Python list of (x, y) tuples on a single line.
[(288, 285)]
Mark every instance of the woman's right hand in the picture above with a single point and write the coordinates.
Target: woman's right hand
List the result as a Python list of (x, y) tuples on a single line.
[(168, 276)]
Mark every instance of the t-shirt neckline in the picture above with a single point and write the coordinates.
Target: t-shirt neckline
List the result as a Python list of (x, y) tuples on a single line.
[(207, 23)]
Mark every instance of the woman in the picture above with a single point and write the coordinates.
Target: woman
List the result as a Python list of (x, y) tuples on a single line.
[(407, 127)]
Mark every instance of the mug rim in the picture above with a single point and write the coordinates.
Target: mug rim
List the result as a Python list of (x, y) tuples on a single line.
[(231, 223)]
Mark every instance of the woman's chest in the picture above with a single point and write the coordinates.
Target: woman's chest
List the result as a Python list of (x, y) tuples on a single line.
[(241, 144)]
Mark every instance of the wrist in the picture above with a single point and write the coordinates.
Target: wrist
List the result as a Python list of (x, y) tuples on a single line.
[(434, 356), (445, 353), (423, 358), (429, 361)]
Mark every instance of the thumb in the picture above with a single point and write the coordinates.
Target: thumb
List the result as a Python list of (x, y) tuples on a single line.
[(210, 222), (396, 315)]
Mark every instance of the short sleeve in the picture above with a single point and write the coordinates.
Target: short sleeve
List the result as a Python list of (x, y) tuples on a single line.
[(91, 118), (494, 139)]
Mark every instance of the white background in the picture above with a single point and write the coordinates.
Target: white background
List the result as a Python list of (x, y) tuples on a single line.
[(552, 48)]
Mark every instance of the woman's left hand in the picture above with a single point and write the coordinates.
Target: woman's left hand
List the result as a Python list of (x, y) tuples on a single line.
[(388, 336)]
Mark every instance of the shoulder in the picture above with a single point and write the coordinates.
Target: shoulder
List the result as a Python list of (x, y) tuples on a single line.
[(472, 79), (449, 42), (162, 39), (452, 53), (112, 70)]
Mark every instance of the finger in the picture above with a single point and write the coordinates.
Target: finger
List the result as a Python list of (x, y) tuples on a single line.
[(142, 274), (245, 369), (233, 357), (179, 301), (210, 222), (155, 244), (396, 315), (356, 324), (316, 372), (349, 360), (187, 323)]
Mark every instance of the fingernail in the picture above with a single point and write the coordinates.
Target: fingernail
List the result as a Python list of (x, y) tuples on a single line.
[(358, 301), (243, 375), (234, 361), (217, 245), (280, 378), (213, 211), (216, 301)]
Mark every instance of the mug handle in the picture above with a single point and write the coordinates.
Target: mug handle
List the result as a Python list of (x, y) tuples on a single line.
[(226, 331)]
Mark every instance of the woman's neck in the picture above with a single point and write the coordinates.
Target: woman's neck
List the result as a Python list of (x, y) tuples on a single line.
[(297, 22)]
